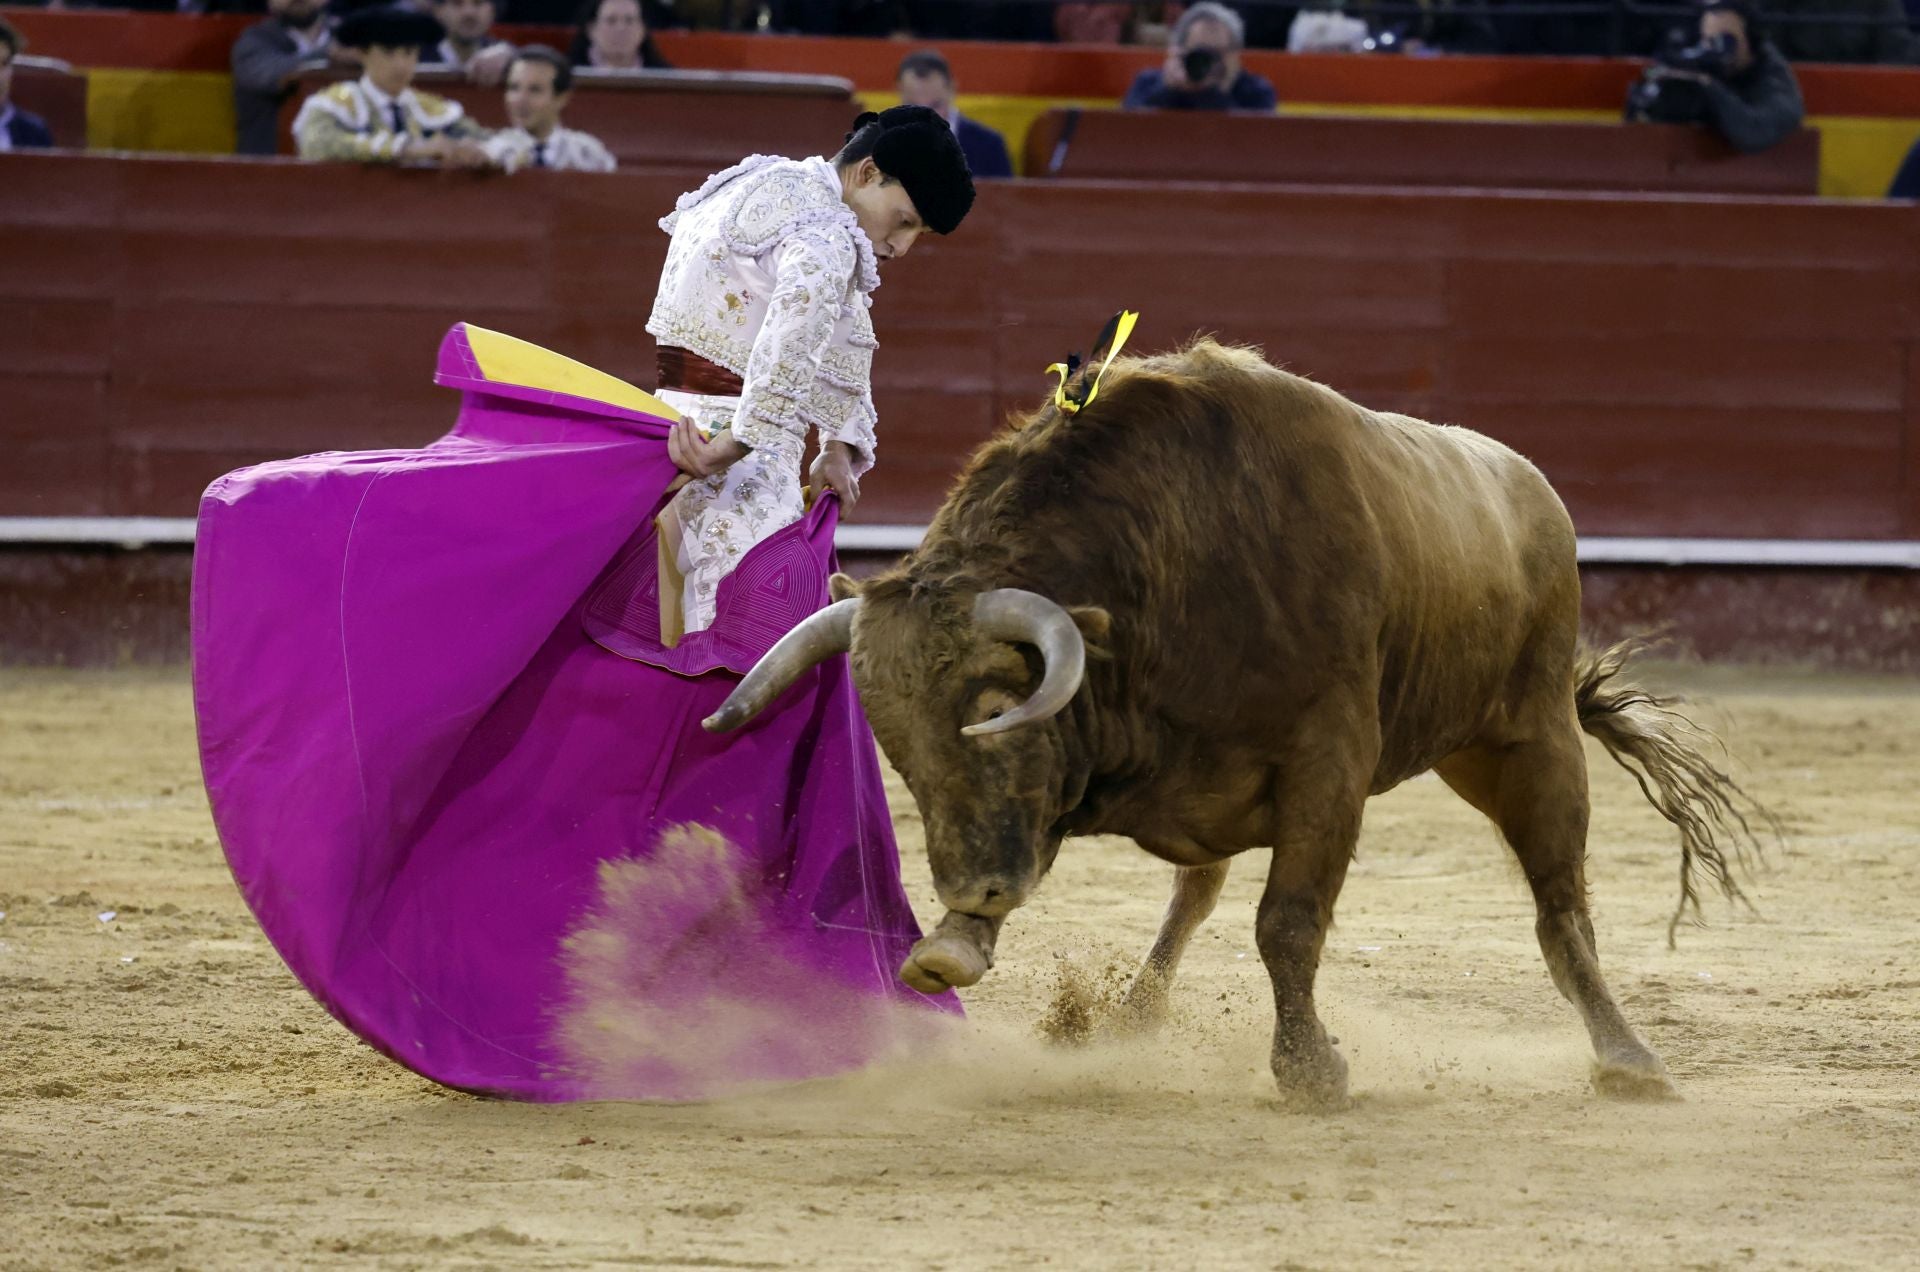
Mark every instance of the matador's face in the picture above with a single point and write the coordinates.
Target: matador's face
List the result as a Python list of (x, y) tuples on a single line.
[(891, 222)]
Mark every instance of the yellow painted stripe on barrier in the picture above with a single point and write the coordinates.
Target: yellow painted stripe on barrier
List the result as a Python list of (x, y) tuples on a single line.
[(182, 112), (1858, 155)]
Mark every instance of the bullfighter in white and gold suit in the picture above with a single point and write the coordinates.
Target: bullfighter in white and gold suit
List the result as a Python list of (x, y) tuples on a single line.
[(763, 327)]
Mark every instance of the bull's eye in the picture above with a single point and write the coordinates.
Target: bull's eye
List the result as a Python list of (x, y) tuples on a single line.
[(991, 705)]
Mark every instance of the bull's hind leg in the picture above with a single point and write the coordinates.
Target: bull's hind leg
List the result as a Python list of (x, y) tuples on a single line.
[(1536, 792), (1195, 890)]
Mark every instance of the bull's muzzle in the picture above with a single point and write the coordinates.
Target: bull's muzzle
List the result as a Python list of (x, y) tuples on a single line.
[(954, 955)]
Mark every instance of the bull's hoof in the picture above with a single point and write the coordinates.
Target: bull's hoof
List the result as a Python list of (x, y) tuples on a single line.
[(1142, 1010), (1313, 1083), (941, 962), (1642, 1080)]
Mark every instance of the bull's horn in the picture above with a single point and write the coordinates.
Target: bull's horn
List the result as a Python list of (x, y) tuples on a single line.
[(1009, 613), (818, 638)]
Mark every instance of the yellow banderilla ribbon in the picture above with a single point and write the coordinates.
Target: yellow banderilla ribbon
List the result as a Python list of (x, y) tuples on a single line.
[(1112, 338)]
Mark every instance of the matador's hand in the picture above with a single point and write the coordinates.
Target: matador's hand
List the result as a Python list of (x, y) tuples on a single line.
[(833, 468), (694, 454)]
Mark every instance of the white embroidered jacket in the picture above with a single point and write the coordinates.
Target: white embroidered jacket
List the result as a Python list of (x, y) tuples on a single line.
[(770, 276)]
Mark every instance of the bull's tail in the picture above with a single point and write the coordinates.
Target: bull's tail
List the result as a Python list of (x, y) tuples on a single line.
[(1671, 758)]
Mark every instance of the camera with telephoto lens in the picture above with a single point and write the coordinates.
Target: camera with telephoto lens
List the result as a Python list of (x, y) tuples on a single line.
[(1200, 64), (1713, 55), (1662, 99)]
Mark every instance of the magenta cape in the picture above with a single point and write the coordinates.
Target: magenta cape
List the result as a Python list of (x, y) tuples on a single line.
[(443, 744)]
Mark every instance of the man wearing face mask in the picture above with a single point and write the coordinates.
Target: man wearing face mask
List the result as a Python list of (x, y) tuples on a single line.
[(1202, 70), (763, 329)]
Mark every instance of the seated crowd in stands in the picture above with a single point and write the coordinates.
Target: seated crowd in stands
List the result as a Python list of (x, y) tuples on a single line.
[(1804, 30), (1730, 73), (301, 35)]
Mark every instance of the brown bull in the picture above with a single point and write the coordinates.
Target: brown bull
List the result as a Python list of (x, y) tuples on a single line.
[(1217, 610)]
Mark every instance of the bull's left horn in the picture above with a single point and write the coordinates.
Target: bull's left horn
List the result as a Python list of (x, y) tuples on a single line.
[(1009, 613), (818, 638)]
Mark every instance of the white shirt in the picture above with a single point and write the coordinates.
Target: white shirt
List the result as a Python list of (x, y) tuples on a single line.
[(565, 149)]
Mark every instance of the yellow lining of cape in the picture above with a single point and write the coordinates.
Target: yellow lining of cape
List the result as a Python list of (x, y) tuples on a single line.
[(504, 359)]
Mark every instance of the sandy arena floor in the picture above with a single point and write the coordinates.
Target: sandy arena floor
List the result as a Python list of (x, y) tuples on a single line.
[(169, 1097)]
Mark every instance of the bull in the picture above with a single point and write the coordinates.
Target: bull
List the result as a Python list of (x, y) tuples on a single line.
[(1217, 610)]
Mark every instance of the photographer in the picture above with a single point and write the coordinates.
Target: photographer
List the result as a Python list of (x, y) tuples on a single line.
[(1731, 79), (1202, 70)]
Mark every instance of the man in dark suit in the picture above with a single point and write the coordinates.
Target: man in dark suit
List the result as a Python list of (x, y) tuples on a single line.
[(925, 79), (266, 58), (18, 129)]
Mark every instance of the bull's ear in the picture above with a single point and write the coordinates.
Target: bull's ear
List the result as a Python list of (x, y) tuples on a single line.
[(842, 588), (1094, 624)]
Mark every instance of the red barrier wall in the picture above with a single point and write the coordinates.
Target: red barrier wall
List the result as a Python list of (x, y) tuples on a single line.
[(1677, 366)]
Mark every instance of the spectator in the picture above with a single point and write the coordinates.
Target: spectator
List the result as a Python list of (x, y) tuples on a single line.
[(379, 118), (925, 79), (539, 84), (1202, 70), (1846, 31), (18, 129), (266, 59), (1732, 79), (613, 36), (469, 47)]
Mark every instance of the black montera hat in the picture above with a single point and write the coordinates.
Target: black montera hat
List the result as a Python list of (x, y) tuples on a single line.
[(917, 148), (391, 26)]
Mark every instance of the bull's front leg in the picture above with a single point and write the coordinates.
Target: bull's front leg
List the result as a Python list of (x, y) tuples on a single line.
[(1317, 824), (1195, 890)]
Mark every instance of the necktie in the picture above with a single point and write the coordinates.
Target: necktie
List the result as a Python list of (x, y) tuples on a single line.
[(399, 117), (540, 155)]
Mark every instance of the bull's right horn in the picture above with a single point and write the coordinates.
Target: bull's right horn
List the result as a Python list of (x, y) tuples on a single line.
[(1011, 613), (818, 638)]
